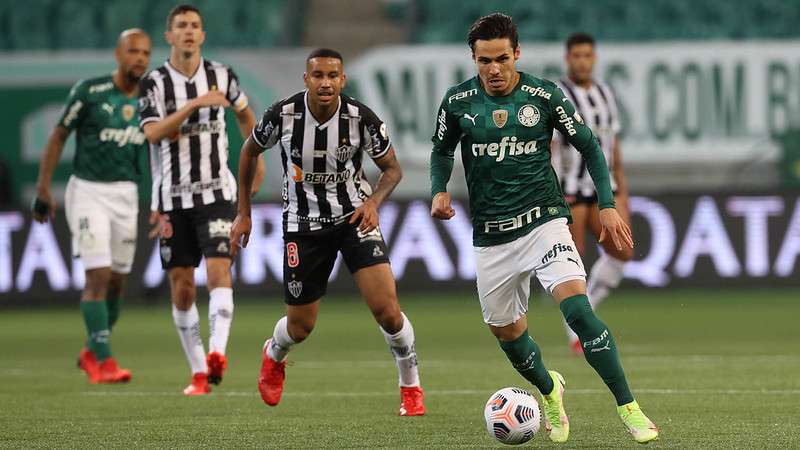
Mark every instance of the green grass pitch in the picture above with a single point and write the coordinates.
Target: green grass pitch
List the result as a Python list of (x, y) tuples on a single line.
[(713, 368)]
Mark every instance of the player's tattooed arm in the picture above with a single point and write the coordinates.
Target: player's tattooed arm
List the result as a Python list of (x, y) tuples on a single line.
[(391, 174), (44, 205)]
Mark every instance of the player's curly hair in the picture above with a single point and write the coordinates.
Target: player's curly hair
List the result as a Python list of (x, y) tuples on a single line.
[(493, 26), (181, 9)]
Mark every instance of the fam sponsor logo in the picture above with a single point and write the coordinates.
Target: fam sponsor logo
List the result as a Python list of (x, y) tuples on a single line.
[(462, 95), (320, 177), (508, 146), (122, 136), (512, 223), (536, 91), (557, 248)]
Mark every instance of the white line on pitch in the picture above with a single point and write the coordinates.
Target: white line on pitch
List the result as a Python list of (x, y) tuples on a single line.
[(123, 393)]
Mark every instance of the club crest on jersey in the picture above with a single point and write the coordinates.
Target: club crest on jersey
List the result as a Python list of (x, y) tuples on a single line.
[(500, 117), (344, 152), (127, 112), (528, 115), (295, 288)]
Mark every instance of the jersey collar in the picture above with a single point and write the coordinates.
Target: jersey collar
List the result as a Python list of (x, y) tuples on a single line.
[(313, 119), (177, 73)]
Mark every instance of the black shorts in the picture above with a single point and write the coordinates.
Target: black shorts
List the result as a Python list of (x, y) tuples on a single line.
[(308, 258), (580, 199), (189, 234)]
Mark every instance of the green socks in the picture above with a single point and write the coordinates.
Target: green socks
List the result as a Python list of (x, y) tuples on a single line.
[(95, 315), (113, 306), (599, 347), (526, 357)]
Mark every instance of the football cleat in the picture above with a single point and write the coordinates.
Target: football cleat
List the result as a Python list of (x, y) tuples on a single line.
[(271, 377), (641, 428), (111, 373), (217, 363), (412, 401), (198, 386), (88, 363), (556, 422), (576, 347)]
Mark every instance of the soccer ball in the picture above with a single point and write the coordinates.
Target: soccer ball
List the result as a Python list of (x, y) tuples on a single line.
[(512, 415)]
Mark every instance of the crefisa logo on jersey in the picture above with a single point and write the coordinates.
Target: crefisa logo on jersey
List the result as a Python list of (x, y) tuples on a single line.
[(528, 115), (500, 117)]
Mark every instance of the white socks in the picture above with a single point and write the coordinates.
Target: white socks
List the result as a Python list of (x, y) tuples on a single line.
[(281, 341), (220, 316), (405, 355), (605, 275), (188, 325)]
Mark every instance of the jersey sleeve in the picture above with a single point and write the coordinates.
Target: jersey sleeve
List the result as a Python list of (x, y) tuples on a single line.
[(445, 138), (235, 94), (376, 140), (75, 107), (150, 105), (573, 129), (267, 131)]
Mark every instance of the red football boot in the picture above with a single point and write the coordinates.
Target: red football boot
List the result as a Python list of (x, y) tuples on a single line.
[(88, 363), (271, 377), (217, 363), (111, 373), (198, 386), (412, 401)]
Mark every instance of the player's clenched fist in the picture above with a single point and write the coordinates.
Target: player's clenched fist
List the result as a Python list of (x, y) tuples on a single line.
[(240, 233), (212, 98), (440, 207)]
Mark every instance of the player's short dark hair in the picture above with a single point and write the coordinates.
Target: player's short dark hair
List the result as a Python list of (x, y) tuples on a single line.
[(493, 26), (579, 38), (325, 53), (181, 9)]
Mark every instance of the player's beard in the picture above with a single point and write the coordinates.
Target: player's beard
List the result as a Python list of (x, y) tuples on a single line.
[(132, 77)]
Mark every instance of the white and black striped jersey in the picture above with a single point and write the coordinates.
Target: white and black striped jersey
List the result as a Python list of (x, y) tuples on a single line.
[(190, 168), (323, 180), (599, 110)]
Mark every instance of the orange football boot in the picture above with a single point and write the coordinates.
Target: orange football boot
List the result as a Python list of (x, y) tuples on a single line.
[(412, 401), (271, 378)]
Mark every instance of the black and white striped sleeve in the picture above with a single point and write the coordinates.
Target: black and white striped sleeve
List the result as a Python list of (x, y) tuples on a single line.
[(235, 94), (150, 104), (267, 131), (376, 137)]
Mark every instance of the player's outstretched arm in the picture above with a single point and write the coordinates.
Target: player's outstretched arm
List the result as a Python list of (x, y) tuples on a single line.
[(248, 159), (44, 205), (157, 130), (391, 174)]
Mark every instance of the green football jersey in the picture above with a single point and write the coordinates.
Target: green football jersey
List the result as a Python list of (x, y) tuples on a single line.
[(108, 141), (505, 149)]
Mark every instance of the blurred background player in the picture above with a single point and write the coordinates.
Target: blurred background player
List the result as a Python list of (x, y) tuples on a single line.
[(329, 207), (519, 216), (101, 200), (181, 106), (595, 102)]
